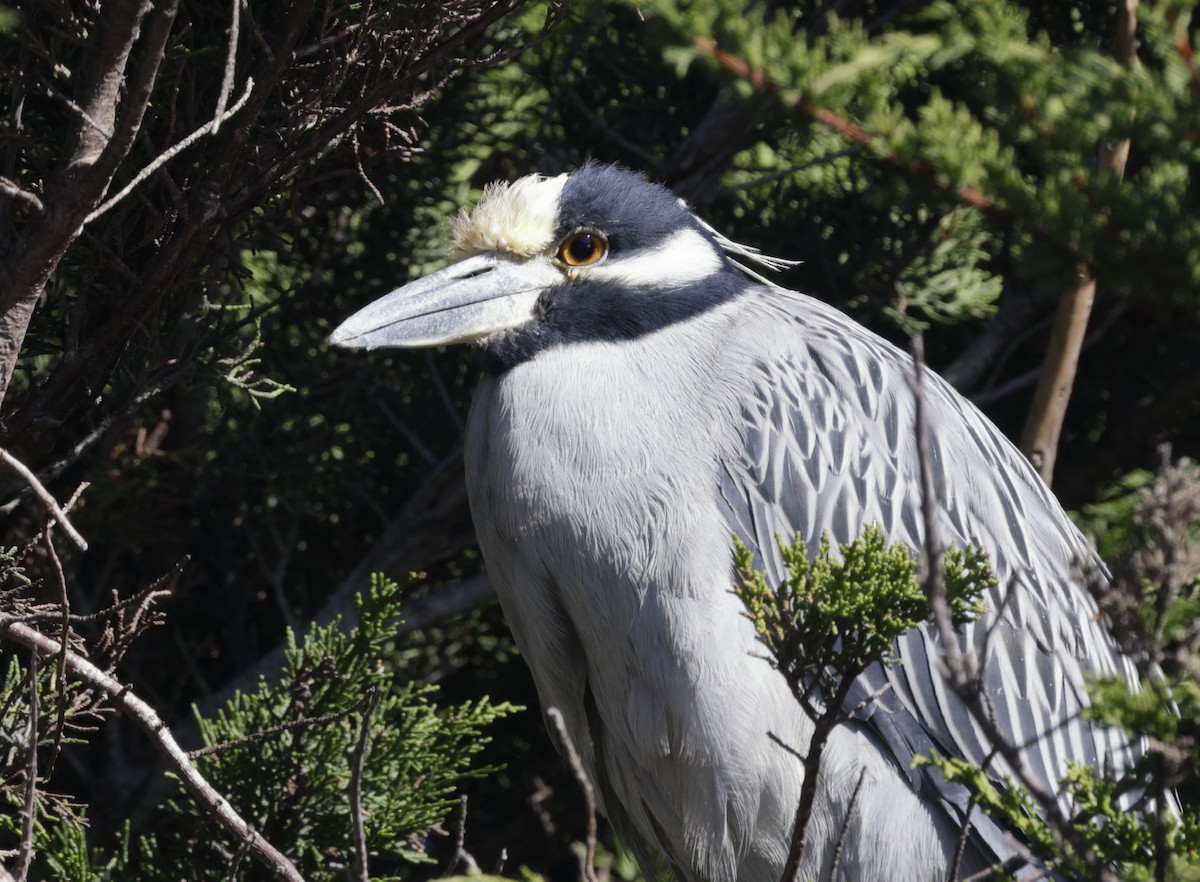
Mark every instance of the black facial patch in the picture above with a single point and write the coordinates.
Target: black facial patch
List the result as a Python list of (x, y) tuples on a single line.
[(634, 216), (590, 310)]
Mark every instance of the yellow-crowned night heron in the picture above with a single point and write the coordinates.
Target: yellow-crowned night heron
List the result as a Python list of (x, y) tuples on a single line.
[(643, 401)]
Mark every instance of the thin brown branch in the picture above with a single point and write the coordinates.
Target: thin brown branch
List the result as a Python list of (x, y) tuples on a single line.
[(44, 497), (840, 845), (230, 67), (357, 761), (25, 849), (965, 682), (848, 130), (964, 835), (162, 739), (587, 861), (822, 728), (931, 551), (64, 622), (13, 190), (171, 152), (1039, 441), (457, 853)]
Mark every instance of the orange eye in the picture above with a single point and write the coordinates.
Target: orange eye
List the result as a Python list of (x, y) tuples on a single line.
[(583, 248)]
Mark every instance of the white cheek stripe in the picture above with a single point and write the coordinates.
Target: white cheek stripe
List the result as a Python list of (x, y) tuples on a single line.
[(682, 258)]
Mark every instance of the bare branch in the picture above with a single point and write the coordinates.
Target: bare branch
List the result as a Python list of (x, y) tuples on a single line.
[(1039, 441), (822, 728), (841, 840), (932, 552), (44, 497), (162, 739), (64, 622), (230, 66), (171, 152), (25, 850), (964, 835), (964, 681), (13, 190), (587, 861), (457, 853), (357, 760)]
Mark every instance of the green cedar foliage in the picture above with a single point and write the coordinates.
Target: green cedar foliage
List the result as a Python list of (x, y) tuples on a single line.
[(975, 108), (284, 757), (294, 786), (842, 611)]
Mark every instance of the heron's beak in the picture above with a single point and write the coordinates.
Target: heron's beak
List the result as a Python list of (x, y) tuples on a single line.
[(471, 299)]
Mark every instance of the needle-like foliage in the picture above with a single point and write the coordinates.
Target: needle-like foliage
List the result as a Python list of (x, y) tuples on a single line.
[(840, 612)]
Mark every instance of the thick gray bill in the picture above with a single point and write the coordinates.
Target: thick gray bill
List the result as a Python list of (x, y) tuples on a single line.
[(471, 299)]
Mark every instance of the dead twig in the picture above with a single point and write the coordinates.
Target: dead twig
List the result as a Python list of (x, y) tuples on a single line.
[(162, 739), (64, 606), (171, 152), (44, 497), (230, 66), (587, 861), (845, 829), (13, 190), (25, 849), (961, 677), (357, 761), (823, 725)]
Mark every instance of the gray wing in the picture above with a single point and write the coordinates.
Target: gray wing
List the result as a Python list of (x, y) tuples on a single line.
[(827, 443)]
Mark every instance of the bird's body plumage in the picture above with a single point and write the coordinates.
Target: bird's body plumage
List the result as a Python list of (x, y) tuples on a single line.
[(612, 455)]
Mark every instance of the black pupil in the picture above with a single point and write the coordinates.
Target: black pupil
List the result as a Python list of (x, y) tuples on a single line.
[(582, 248)]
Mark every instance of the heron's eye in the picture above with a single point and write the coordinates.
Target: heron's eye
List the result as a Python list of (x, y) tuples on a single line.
[(583, 248)]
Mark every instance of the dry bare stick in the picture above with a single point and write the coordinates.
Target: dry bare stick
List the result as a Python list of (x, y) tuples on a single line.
[(171, 152), (932, 551), (458, 834), (162, 739), (587, 862), (25, 850), (357, 761), (64, 620), (112, 99), (1039, 441), (44, 497), (957, 673), (845, 830), (230, 66), (13, 190)]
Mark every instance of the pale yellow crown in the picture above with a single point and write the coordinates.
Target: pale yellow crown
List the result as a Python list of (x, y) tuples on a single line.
[(518, 218)]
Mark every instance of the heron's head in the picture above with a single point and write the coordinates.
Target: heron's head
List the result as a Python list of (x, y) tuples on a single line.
[(595, 255)]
